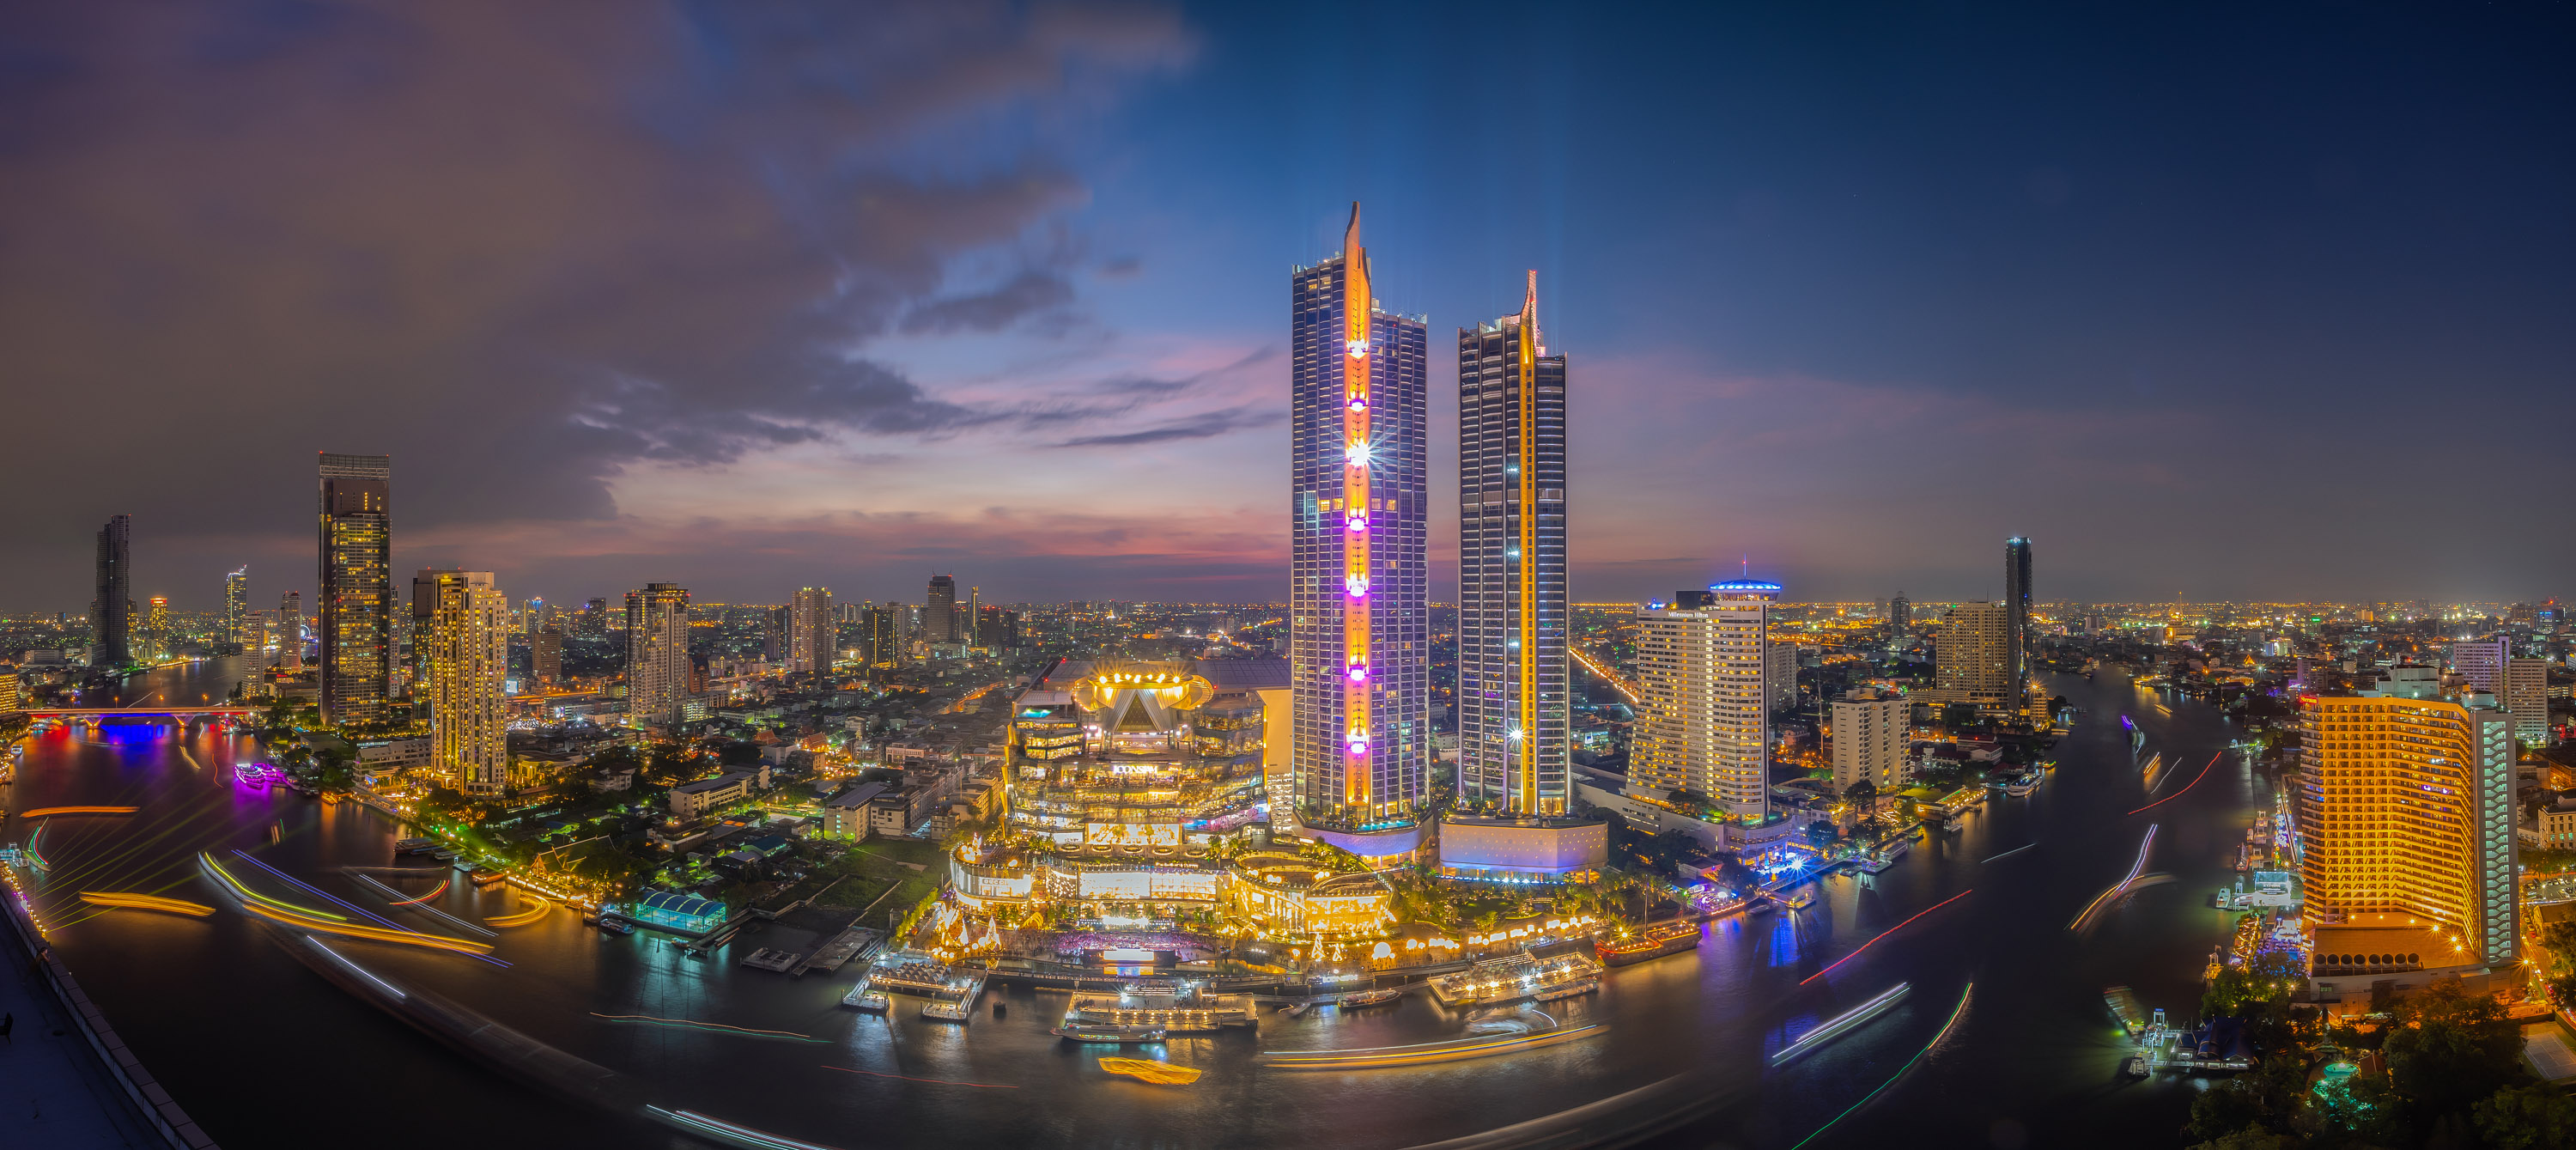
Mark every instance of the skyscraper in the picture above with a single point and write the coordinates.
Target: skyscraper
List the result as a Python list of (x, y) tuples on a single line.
[(813, 638), (468, 656), (1512, 717), (1869, 736), (2017, 621), (1358, 474), (1972, 657), (111, 609), (237, 608), (156, 627), (545, 655), (1900, 614), (2482, 662), (939, 611), (290, 623), (1703, 720), (657, 655), (594, 618), (353, 610), (880, 636), (2526, 697), (2406, 820)]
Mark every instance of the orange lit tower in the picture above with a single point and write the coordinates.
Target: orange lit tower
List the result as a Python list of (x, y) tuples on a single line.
[(1360, 641), (1512, 714)]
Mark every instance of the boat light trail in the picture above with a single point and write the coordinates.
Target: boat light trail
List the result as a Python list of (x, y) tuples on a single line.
[(248, 895), (2084, 917), (378, 934), (2195, 781), (2014, 851), (442, 889), (743, 1135), (49, 812), (145, 902), (522, 918), (1884, 933), (1847, 1021), (713, 1027), (910, 1078), (1928, 1048), (361, 971), (433, 912)]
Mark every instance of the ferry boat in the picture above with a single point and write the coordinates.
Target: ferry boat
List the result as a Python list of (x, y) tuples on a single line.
[(1108, 1034), (615, 925), (2123, 1004), (873, 1003), (2021, 785), (2245, 858), (481, 876), (1367, 998), (1569, 990), (1653, 942), (945, 1010), (443, 855)]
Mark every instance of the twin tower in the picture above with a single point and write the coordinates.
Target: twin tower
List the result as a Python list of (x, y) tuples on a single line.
[(1360, 493)]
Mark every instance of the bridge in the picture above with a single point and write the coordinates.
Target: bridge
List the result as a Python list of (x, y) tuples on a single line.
[(142, 712), (1601, 670)]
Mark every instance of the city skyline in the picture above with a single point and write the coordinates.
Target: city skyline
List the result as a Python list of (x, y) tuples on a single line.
[(1843, 280)]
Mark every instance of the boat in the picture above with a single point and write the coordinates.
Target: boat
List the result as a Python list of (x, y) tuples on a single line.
[(484, 876), (1653, 942), (443, 855), (947, 1010), (873, 1003), (615, 925), (2135, 1067), (1568, 990), (1150, 1070), (2124, 1007), (1843, 1023), (1102, 1033), (1367, 998), (2021, 785)]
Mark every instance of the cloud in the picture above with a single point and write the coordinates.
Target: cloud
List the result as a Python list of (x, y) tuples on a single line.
[(1205, 425), (521, 248)]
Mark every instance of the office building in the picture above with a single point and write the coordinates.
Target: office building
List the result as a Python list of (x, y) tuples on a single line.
[(1972, 657), (1868, 734), (2406, 816), (2526, 697), (657, 655), (1900, 615), (1512, 701), (111, 608), (813, 637), (939, 611), (353, 593), (594, 619), (2016, 621), (466, 652), (237, 608), (1703, 720), (1359, 637), (2482, 662), (997, 629)]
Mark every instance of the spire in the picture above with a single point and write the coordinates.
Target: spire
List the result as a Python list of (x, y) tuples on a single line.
[(1529, 309), (1351, 234)]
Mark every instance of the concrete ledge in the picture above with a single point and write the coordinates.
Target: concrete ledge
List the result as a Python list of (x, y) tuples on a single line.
[(152, 1104)]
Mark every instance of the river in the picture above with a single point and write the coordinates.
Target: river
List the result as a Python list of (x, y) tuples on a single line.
[(263, 1052)]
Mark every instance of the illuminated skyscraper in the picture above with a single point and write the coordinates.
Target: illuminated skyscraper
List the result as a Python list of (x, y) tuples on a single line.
[(290, 623), (2406, 820), (2016, 621), (2525, 696), (111, 610), (545, 655), (468, 656), (1703, 720), (657, 655), (1358, 490), (353, 609), (1972, 657), (2482, 662), (813, 638), (594, 618), (1512, 717), (237, 607), (939, 611), (156, 627)]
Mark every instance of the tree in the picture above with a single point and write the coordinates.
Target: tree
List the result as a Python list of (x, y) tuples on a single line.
[(1820, 833), (738, 754), (1864, 796), (2450, 1050), (2526, 1118)]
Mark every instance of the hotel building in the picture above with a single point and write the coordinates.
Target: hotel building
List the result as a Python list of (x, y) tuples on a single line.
[(1703, 723), (353, 609), (657, 655), (467, 642), (1512, 703), (2406, 816), (1359, 636), (1869, 738), (1972, 658)]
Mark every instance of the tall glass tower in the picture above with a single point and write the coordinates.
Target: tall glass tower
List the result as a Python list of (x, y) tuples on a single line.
[(355, 590), (111, 609), (2016, 620), (1359, 639), (1511, 566)]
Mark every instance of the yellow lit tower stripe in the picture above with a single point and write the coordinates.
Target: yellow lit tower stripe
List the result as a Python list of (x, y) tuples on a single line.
[(1357, 507), (1528, 548)]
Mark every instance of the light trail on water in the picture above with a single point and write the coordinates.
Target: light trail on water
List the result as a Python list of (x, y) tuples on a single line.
[(1928, 1048), (1884, 933)]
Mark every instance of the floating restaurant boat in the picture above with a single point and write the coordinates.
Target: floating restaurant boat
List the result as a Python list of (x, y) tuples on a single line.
[(1568, 990), (1842, 1024), (1149, 1070), (1106, 1034), (1172, 1007), (2021, 785), (1653, 942), (948, 1010), (1511, 978), (615, 925), (1368, 998)]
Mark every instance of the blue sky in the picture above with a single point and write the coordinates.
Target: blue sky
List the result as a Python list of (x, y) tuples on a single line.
[(2208, 301)]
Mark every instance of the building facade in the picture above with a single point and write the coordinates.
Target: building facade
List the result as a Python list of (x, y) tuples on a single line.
[(1359, 450), (1869, 739), (353, 609), (1972, 657), (2406, 812), (939, 611), (813, 634), (2526, 697), (1512, 697), (2016, 621), (111, 607), (657, 655), (1780, 676), (1703, 721), (237, 608), (880, 639), (2482, 662), (467, 642)]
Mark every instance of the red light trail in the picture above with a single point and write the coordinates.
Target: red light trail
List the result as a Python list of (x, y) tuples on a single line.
[(1884, 933), (2195, 781)]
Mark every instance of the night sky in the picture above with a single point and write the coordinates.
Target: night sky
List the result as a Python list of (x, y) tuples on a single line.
[(2266, 301)]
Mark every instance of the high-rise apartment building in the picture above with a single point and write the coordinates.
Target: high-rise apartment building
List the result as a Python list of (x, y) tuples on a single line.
[(880, 636), (466, 648), (1869, 739), (237, 607), (1703, 719), (1972, 657), (657, 655), (2482, 662), (1780, 675), (111, 608), (594, 619), (353, 607), (290, 630), (545, 656), (2406, 818), (1900, 615), (939, 611), (1358, 612), (2016, 622), (2526, 698), (813, 637), (156, 627), (1512, 701)]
